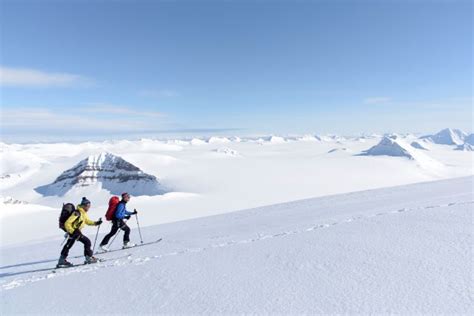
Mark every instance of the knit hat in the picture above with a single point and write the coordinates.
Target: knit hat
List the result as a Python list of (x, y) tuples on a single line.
[(124, 194), (85, 201)]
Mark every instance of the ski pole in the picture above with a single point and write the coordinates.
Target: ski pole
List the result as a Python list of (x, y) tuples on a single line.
[(139, 230), (64, 240), (117, 233), (115, 236), (96, 234)]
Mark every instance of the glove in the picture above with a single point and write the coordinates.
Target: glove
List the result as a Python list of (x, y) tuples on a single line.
[(135, 212), (127, 217), (98, 222)]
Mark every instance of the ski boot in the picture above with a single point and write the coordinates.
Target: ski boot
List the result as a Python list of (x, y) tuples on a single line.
[(104, 248), (128, 245), (90, 260), (63, 263)]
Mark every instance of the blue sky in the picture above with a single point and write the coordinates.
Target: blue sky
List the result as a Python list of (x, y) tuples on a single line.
[(122, 68)]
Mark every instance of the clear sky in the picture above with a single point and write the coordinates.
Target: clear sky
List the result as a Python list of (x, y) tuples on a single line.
[(113, 68)]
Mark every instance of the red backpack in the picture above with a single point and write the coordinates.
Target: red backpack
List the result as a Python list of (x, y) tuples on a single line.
[(113, 202)]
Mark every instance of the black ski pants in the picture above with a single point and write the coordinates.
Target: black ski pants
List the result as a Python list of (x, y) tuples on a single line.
[(77, 235), (116, 225)]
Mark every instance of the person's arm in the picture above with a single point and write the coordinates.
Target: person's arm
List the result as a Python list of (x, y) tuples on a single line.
[(88, 221), (129, 213), (68, 224), (125, 212)]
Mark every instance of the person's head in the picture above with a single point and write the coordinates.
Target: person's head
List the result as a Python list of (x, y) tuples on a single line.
[(125, 197), (86, 204)]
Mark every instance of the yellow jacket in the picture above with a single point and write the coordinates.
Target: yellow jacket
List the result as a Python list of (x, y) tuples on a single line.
[(77, 220)]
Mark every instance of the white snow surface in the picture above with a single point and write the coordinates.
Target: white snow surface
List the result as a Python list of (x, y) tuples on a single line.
[(339, 149), (398, 250), (11, 207), (197, 142), (277, 140), (225, 151), (218, 140)]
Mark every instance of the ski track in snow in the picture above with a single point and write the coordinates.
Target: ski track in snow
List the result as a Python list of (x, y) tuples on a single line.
[(120, 261)]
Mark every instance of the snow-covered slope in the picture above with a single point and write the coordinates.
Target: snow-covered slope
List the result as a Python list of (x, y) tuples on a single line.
[(111, 172), (400, 250), (11, 207), (447, 136), (17, 167)]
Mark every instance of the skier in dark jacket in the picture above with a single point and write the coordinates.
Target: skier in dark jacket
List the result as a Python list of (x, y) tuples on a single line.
[(118, 222)]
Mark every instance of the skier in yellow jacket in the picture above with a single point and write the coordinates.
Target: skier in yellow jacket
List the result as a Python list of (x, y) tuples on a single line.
[(73, 226)]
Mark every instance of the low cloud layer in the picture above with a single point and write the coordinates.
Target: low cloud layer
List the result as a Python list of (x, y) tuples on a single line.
[(80, 120), (25, 77)]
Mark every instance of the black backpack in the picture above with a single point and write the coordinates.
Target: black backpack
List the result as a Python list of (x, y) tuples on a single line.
[(66, 211)]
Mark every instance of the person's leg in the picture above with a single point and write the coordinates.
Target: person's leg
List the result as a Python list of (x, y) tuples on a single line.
[(69, 243), (87, 245), (113, 231), (126, 230)]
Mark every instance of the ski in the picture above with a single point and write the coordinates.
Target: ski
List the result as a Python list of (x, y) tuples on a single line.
[(76, 257), (99, 260), (55, 269), (81, 264), (139, 245)]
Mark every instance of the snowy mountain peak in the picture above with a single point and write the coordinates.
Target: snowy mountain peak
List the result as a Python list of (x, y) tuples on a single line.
[(106, 161), (109, 171), (391, 146), (397, 147), (447, 136)]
